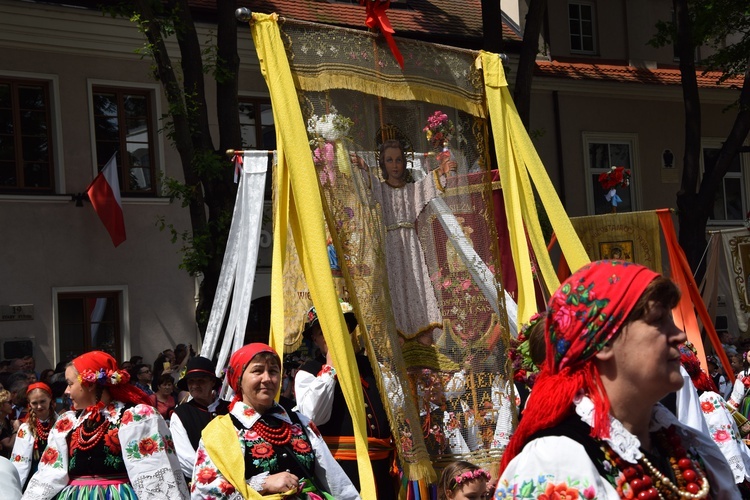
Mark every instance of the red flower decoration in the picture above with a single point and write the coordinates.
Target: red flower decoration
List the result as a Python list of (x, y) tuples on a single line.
[(707, 407), (148, 446), (248, 412), (200, 457), (262, 450), (616, 177), (226, 487), (49, 456), (64, 425), (112, 441), (301, 446), (205, 475), (127, 417)]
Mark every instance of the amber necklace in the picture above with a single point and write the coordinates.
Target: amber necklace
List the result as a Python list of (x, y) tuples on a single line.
[(277, 436)]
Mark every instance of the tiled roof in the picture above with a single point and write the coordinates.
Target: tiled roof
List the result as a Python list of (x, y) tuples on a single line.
[(628, 74), (424, 19)]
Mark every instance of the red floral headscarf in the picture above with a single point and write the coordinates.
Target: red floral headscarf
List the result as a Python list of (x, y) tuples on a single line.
[(239, 361), (97, 367), (584, 314)]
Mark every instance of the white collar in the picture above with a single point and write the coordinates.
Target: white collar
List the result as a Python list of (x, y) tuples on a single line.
[(621, 440), (247, 415)]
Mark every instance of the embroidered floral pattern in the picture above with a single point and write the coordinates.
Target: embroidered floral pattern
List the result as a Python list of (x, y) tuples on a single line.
[(51, 457), (63, 425), (138, 449), (544, 488)]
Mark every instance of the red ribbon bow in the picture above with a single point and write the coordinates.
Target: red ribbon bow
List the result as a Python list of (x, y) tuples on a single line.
[(377, 18)]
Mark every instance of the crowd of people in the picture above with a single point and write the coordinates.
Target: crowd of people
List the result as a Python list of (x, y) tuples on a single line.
[(615, 405)]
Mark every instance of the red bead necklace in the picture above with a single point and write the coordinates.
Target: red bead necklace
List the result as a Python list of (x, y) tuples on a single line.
[(691, 482), (42, 429), (277, 436), (85, 440)]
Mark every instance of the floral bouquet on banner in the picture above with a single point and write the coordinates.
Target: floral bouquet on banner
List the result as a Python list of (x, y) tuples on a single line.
[(326, 133), (439, 131), (616, 177)]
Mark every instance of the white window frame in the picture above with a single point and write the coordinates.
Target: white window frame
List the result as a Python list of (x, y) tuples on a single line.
[(716, 143), (593, 50), (589, 171), (122, 291), (155, 90)]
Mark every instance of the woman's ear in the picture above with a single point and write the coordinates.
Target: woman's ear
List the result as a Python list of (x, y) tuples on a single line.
[(606, 353)]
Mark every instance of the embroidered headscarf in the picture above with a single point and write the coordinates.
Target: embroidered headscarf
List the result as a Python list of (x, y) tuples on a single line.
[(584, 314), (99, 368), (239, 361)]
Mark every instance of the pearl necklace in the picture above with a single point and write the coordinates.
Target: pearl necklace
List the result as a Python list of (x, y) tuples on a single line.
[(689, 474), (654, 484)]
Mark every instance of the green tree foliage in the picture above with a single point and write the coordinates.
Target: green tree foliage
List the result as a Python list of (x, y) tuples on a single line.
[(208, 191), (724, 27)]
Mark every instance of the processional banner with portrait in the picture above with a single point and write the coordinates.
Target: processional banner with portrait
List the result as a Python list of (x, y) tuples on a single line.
[(415, 258), (416, 248)]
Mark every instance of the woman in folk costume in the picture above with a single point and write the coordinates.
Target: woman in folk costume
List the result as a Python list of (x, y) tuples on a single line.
[(31, 439), (719, 423), (278, 454), (593, 427), (112, 445)]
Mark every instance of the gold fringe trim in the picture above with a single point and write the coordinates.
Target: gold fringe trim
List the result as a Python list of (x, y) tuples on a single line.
[(422, 356), (353, 78), (419, 471)]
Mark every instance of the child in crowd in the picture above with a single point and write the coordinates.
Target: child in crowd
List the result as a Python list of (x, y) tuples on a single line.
[(463, 481), (31, 439)]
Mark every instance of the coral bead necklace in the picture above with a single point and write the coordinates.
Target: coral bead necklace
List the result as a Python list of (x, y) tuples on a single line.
[(644, 481), (277, 436)]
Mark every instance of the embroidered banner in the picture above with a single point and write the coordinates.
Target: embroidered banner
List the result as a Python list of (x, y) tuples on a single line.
[(736, 243), (633, 236)]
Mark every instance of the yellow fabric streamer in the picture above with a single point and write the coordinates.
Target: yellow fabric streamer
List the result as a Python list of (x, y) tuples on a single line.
[(517, 160), (301, 208)]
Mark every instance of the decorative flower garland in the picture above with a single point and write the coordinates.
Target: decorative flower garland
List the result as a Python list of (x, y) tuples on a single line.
[(470, 475), (103, 377)]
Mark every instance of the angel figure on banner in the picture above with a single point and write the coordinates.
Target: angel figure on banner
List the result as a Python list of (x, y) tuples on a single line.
[(327, 133), (415, 306), (612, 179)]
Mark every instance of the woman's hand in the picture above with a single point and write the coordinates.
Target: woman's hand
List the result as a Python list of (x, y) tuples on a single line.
[(280, 483), (359, 162)]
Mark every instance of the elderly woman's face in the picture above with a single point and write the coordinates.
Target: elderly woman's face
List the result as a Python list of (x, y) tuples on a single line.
[(260, 383)]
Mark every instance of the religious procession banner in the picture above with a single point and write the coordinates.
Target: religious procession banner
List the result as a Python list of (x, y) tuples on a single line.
[(736, 245), (384, 179), (630, 236)]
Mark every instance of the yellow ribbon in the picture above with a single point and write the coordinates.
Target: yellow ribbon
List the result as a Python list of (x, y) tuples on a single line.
[(299, 207)]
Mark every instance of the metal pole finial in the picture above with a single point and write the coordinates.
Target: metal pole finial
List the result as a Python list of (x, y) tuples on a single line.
[(243, 14)]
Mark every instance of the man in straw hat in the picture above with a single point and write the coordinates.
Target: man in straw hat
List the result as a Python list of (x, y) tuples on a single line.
[(189, 418), (320, 398)]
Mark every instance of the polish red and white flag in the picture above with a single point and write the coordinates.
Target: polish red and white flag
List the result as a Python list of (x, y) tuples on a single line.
[(104, 194)]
